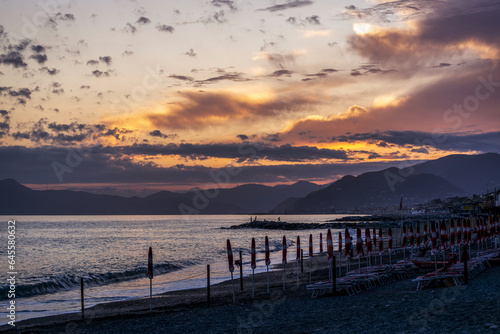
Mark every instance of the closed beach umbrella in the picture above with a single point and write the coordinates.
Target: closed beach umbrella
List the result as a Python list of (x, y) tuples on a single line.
[(374, 237), (426, 232), (310, 246), (369, 246), (347, 244), (359, 243), (417, 235), (404, 237), (433, 236), (231, 266), (253, 255), (321, 249), (310, 256), (380, 242), (340, 254), (412, 237), (283, 259), (390, 240), (459, 232), (329, 246), (150, 263), (329, 251), (469, 232), (268, 259), (150, 275), (452, 233), (443, 235)]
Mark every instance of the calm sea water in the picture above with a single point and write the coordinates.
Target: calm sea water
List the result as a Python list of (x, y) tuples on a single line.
[(110, 253)]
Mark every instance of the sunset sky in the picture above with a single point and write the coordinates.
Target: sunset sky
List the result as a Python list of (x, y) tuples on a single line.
[(129, 97)]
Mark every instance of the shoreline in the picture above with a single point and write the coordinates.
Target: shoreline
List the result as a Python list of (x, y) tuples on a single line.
[(193, 302)]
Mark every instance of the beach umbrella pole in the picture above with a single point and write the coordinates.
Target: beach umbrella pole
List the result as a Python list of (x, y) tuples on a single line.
[(298, 268), (253, 284), (310, 270), (340, 265), (150, 294), (267, 279), (284, 277), (232, 283)]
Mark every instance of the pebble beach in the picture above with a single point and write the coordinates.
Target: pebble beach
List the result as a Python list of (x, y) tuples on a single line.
[(393, 308)]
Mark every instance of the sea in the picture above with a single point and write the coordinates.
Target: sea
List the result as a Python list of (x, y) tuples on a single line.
[(111, 254)]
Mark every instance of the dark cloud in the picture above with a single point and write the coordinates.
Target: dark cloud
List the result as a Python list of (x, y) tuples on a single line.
[(472, 25), (4, 123), (65, 17), (99, 74), (231, 76), (165, 28), (369, 69), (129, 28), (40, 58), (483, 142), (22, 94), (313, 20), (242, 137), (197, 110), (54, 133), (21, 46), (58, 90), (84, 87), (92, 62), (181, 77), (280, 73), (143, 20), (288, 5), (127, 53), (13, 58), (34, 166), (190, 53), (221, 3), (441, 65), (106, 59), (38, 48), (279, 60), (158, 133), (53, 71)]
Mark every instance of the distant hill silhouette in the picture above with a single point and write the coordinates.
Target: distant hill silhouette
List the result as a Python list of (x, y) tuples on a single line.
[(18, 199), (455, 175)]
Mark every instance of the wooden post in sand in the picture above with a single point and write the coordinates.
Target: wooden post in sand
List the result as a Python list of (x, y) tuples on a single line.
[(241, 272), (208, 285), (81, 293)]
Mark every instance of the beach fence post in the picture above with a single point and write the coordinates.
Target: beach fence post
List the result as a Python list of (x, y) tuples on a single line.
[(208, 285), (241, 271), (283, 260), (340, 254), (253, 265), (298, 259), (268, 261), (81, 294), (310, 256), (329, 251), (150, 275), (231, 266), (321, 249)]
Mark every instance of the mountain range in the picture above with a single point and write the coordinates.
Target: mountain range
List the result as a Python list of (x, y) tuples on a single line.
[(450, 176)]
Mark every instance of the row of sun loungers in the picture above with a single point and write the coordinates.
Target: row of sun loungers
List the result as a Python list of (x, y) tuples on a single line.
[(365, 278)]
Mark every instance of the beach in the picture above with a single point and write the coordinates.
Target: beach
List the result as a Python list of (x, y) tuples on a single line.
[(393, 308)]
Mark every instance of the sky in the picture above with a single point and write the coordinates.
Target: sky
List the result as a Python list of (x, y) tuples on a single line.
[(130, 97)]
